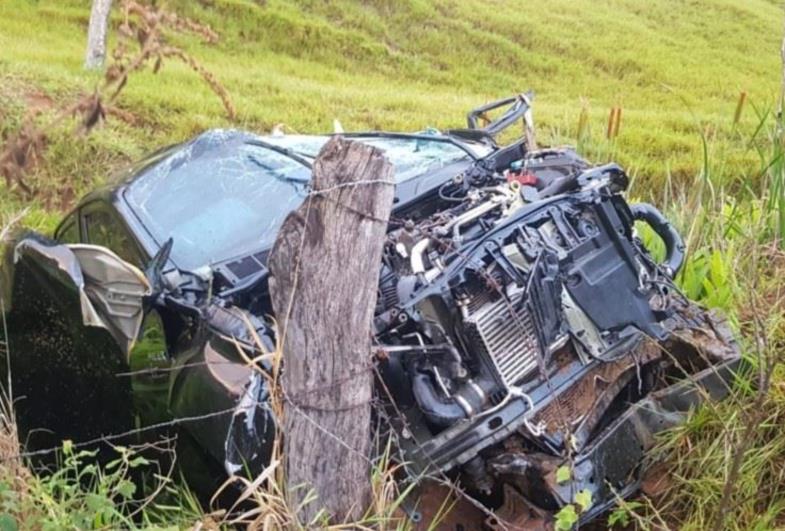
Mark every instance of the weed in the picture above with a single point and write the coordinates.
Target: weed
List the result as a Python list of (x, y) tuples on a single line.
[(724, 466), (699, 136)]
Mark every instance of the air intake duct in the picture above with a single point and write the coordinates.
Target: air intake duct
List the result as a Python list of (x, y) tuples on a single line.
[(444, 411)]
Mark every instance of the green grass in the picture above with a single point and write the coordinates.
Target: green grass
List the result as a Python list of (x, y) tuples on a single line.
[(676, 69)]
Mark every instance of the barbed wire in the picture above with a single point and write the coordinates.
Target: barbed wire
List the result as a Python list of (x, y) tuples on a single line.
[(113, 437), (352, 184), (324, 430), (437, 475), (443, 479)]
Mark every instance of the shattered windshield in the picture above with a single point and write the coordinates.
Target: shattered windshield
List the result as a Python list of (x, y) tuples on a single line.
[(224, 195), (412, 156), (218, 200)]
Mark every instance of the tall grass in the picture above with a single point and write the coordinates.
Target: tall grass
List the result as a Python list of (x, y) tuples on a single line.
[(723, 469), (264, 501), (716, 167)]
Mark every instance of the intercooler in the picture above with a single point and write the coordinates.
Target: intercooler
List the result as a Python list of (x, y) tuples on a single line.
[(503, 330)]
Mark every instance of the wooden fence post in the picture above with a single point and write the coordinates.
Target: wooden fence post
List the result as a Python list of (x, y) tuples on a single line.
[(96, 34), (739, 107), (324, 270), (614, 123)]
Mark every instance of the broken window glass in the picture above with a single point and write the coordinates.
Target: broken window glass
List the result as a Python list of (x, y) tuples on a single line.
[(218, 200)]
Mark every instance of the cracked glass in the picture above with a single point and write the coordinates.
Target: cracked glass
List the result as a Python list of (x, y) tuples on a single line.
[(219, 197)]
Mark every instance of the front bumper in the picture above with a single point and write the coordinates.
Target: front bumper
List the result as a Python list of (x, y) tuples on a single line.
[(612, 465)]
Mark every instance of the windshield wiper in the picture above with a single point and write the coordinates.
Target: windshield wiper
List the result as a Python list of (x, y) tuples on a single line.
[(283, 151), (278, 175)]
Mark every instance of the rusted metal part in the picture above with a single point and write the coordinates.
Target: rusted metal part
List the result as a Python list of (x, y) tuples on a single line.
[(517, 514), (588, 398), (656, 480), (442, 508), (699, 337), (704, 357), (706, 332), (527, 471), (614, 458)]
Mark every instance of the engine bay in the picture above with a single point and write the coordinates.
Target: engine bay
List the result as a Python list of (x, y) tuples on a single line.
[(520, 317)]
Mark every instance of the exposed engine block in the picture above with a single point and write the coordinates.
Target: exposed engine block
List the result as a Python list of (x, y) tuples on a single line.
[(501, 282), (518, 309)]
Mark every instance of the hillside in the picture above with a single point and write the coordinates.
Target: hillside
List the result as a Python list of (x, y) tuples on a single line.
[(408, 65), (676, 69)]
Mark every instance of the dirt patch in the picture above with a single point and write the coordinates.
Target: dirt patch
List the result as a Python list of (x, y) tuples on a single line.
[(36, 101)]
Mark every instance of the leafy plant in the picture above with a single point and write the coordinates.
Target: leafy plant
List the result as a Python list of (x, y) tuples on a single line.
[(566, 518), (622, 515), (569, 515), (79, 494)]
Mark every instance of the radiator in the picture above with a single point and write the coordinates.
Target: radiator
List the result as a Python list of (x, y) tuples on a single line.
[(505, 332)]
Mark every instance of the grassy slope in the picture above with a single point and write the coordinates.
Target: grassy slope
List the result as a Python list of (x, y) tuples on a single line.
[(676, 69)]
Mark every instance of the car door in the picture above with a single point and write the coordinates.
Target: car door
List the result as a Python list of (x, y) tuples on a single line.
[(73, 318)]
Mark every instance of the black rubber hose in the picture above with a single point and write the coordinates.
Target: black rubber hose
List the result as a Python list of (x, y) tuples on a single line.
[(439, 411), (674, 244), (560, 186), (617, 179), (445, 411)]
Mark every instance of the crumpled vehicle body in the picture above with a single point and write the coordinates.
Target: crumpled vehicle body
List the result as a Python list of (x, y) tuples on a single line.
[(521, 325), (525, 328)]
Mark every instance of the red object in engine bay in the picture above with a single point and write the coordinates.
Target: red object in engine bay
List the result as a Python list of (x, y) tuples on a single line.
[(522, 178)]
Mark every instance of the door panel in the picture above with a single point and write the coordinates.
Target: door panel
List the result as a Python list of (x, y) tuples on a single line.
[(75, 314), (114, 289)]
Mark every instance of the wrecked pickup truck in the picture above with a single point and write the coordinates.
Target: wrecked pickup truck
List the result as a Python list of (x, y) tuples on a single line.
[(521, 324)]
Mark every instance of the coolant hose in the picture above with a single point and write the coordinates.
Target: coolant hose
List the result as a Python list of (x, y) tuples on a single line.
[(560, 186), (674, 244), (446, 411)]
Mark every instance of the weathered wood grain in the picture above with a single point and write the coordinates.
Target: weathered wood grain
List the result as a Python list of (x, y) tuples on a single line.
[(97, 34), (324, 273)]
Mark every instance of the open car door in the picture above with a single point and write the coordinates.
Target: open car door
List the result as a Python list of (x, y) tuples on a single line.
[(74, 315)]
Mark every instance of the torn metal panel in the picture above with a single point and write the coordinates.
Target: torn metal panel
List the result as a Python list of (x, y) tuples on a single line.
[(63, 357), (110, 290), (436, 503), (116, 290), (615, 459), (518, 514), (579, 409), (252, 429), (545, 321)]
